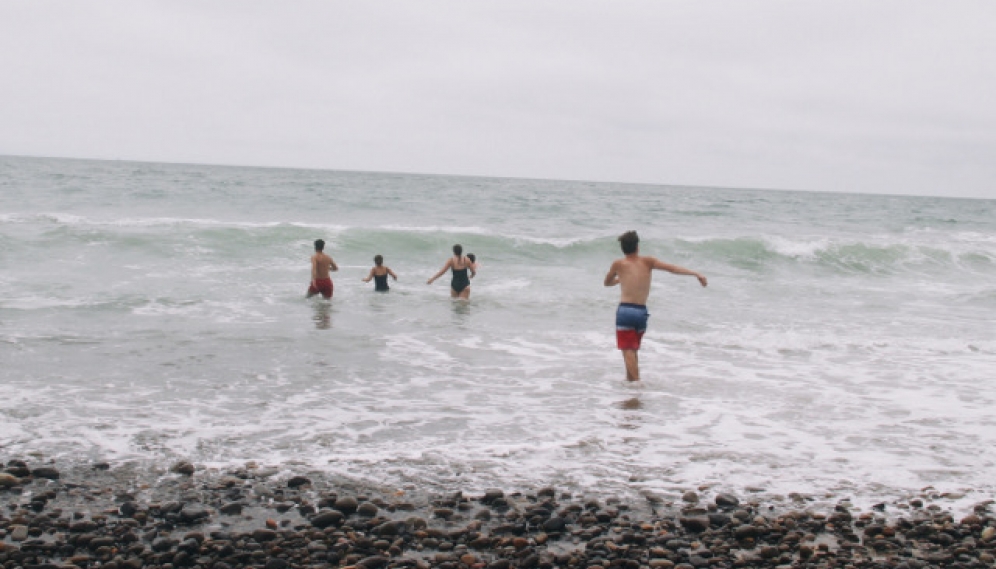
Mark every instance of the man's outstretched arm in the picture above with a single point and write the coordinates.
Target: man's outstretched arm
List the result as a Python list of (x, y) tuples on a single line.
[(661, 265)]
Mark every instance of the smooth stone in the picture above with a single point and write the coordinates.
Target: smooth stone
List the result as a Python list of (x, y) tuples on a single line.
[(727, 501), (46, 472), (373, 562), (276, 563), (128, 509), (768, 552), (555, 524), (347, 505), (390, 528), (183, 467), (367, 509), (231, 509), (298, 481), (18, 470), (8, 480), (193, 512), (690, 497), (326, 518), (745, 531), (971, 520), (695, 523), (18, 532), (264, 534)]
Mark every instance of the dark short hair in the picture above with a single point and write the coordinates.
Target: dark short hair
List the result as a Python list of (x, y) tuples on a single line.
[(378, 260), (458, 250), (319, 244), (629, 242), (472, 257)]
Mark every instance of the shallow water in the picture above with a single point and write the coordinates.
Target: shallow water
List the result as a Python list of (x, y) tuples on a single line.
[(152, 311)]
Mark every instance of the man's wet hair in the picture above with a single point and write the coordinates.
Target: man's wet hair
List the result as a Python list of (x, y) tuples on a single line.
[(629, 242), (319, 244), (378, 260)]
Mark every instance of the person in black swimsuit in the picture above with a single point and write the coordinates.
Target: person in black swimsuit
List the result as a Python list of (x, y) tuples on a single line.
[(461, 266), (379, 275)]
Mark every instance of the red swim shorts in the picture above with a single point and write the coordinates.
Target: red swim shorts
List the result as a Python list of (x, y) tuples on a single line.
[(323, 286), (629, 339)]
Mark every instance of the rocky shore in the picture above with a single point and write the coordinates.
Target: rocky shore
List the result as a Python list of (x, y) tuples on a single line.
[(126, 518)]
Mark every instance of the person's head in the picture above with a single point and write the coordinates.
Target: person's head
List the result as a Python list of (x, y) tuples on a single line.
[(319, 245), (472, 257), (630, 242), (378, 260), (458, 250)]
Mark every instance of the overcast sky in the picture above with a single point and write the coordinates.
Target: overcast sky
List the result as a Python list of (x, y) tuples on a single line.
[(841, 95)]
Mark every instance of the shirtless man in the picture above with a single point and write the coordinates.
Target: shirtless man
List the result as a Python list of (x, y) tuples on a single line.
[(634, 273), (321, 265)]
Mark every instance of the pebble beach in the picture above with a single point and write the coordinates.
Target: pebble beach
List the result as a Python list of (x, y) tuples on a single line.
[(187, 515)]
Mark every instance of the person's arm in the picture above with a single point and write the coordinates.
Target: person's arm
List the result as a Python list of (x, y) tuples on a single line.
[(661, 265), (314, 269), (369, 277), (441, 271), (332, 265), (390, 272), (612, 277), (472, 267)]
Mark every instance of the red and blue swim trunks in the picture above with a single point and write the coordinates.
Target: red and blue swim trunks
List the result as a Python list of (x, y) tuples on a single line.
[(631, 323)]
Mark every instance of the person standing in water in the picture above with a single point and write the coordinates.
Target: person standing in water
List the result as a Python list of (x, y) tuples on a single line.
[(321, 266), (461, 265), (379, 275), (633, 273)]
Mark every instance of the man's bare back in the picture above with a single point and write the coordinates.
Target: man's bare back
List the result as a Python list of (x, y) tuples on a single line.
[(321, 266), (634, 273)]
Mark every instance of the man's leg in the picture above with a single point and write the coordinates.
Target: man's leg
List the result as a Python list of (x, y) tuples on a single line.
[(632, 361)]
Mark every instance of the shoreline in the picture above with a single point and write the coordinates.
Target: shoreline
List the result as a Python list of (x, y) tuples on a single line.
[(255, 516)]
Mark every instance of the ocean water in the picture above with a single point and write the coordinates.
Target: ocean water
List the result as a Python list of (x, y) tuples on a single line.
[(844, 346)]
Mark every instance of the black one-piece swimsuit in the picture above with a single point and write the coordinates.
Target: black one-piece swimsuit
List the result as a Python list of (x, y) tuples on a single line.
[(460, 280)]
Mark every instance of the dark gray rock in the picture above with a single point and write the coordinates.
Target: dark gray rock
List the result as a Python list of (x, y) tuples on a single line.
[(231, 509), (128, 509), (193, 512), (262, 535), (727, 501), (555, 524), (347, 505), (745, 531), (46, 472), (298, 481), (695, 523), (367, 509), (183, 467), (327, 518), (373, 562), (276, 563)]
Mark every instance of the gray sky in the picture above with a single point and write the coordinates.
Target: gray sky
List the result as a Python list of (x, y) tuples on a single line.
[(842, 95)]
